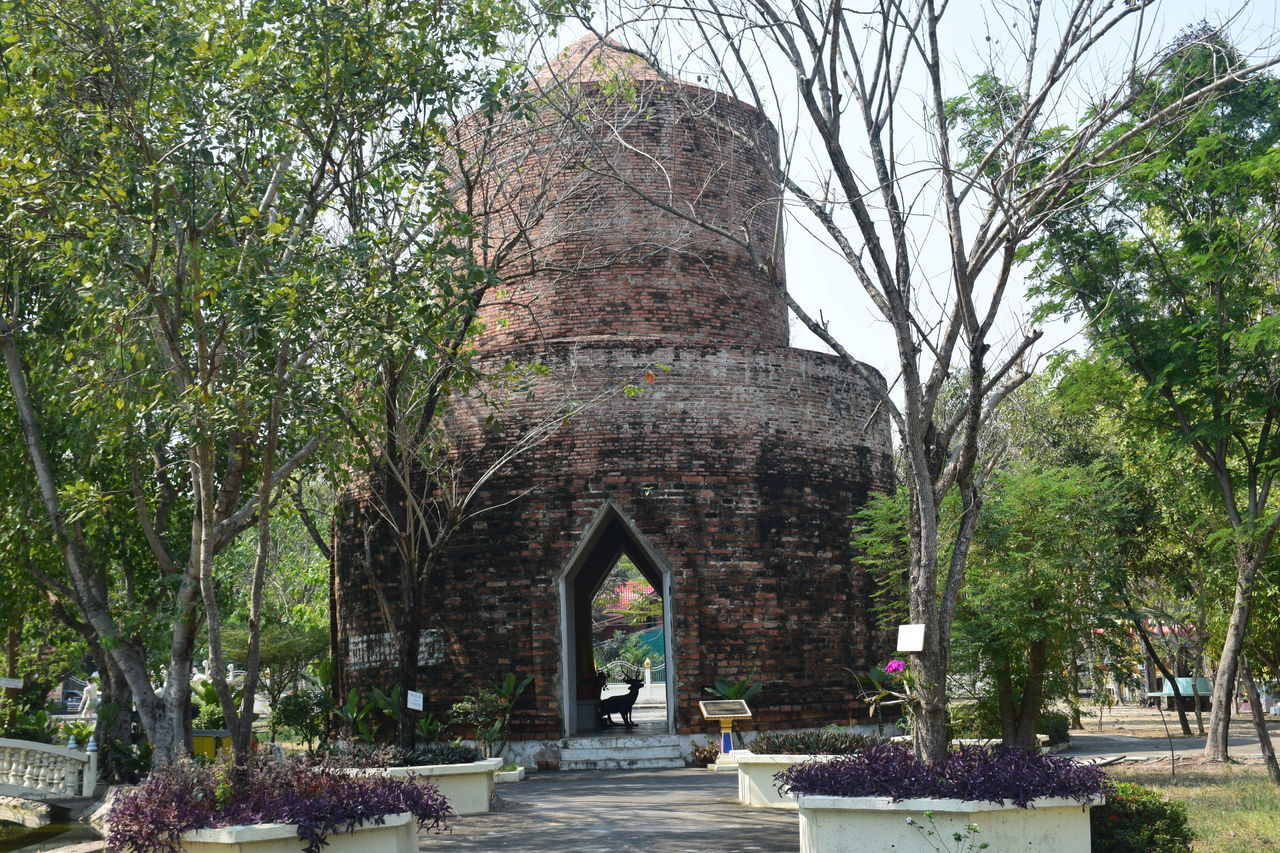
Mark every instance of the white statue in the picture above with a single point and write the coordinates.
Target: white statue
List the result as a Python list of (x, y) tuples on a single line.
[(89, 699)]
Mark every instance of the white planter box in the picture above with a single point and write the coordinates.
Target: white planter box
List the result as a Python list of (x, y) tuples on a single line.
[(856, 824), (755, 778), (516, 775), (398, 835), (467, 787)]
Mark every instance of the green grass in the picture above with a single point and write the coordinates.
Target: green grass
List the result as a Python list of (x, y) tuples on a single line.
[(1231, 808)]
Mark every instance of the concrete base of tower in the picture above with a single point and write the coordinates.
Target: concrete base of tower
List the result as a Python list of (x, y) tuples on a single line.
[(623, 751)]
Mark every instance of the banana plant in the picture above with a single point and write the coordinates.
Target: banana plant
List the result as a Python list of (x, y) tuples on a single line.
[(742, 688), (354, 715)]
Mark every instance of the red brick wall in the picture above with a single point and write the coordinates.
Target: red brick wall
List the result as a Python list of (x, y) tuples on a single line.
[(600, 260), (740, 467)]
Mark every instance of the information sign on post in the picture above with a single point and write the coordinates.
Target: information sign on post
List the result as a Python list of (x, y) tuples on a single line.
[(414, 700), (11, 683), (726, 711), (910, 638)]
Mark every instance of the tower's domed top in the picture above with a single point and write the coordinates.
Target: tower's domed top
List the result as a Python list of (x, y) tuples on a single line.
[(592, 59)]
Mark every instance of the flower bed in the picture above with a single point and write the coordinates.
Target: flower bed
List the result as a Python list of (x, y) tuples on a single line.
[(467, 787), (463, 777), (395, 835), (773, 752), (176, 808), (756, 775), (857, 824), (886, 799)]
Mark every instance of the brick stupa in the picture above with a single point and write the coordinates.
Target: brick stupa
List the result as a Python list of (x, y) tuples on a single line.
[(730, 481)]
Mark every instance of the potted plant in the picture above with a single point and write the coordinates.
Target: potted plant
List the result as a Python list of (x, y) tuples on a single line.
[(770, 753), (272, 807), (510, 771), (886, 799)]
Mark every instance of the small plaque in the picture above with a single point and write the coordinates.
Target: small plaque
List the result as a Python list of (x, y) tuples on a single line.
[(11, 683), (910, 638), (415, 700), (724, 709)]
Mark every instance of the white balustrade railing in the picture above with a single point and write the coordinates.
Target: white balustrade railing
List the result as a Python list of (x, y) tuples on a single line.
[(649, 673), (47, 769)]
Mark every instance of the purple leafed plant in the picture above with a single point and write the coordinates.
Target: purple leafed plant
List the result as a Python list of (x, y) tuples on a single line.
[(320, 800), (972, 773)]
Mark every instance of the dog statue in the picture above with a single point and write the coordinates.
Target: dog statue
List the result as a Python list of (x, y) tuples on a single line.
[(620, 705)]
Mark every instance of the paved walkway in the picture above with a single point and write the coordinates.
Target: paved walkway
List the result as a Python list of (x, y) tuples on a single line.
[(689, 810), (1108, 746), (623, 811)]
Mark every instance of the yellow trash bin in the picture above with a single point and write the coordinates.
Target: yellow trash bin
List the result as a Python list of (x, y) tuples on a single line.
[(210, 742)]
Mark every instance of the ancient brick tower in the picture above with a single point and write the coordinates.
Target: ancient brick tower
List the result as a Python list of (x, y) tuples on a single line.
[(730, 481)]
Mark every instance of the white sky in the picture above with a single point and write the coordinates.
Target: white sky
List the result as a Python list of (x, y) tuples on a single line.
[(823, 283), (819, 280)]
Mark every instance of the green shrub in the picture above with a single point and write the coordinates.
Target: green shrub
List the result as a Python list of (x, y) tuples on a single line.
[(209, 717), (981, 720), (303, 711), (1057, 725), (489, 712), (973, 721), (429, 729), (1137, 820), (820, 742), (441, 752), (81, 729)]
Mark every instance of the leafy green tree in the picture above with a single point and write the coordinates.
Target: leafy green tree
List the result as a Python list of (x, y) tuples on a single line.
[(294, 633), (1048, 562), (1044, 575), (1173, 267), (196, 198), (95, 496)]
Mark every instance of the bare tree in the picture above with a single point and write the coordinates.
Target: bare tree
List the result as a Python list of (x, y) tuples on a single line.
[(927, 175)]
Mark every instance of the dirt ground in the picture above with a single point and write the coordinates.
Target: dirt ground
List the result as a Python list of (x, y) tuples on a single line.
[(1134, 721)]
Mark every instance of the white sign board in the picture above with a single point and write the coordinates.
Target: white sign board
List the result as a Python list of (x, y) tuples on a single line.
[(14, 683), (910, 638), (415, 700)]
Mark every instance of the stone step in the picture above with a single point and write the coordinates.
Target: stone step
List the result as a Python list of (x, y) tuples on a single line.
[(594, 754), (621, 763), (621, 752), (621, 742)]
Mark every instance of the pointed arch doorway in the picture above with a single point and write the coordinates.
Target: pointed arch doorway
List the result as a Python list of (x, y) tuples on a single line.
[(609, 538)]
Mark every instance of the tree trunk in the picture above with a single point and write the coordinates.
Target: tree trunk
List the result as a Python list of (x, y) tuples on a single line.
[(242, 733), (161, 720), (1260, 722), (1215, 745), (11, 670), (929, 706), (928, 669), (1164, 671), (1074, 666), (117, 727), (1005, 704), (114, 725), (407, 672), (1032, 696), (1197, 673)]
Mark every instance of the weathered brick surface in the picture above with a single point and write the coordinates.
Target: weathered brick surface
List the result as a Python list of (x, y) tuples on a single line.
[(603, 260), (740, 466)]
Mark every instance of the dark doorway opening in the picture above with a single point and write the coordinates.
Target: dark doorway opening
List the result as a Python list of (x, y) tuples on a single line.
[(616, 615)]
